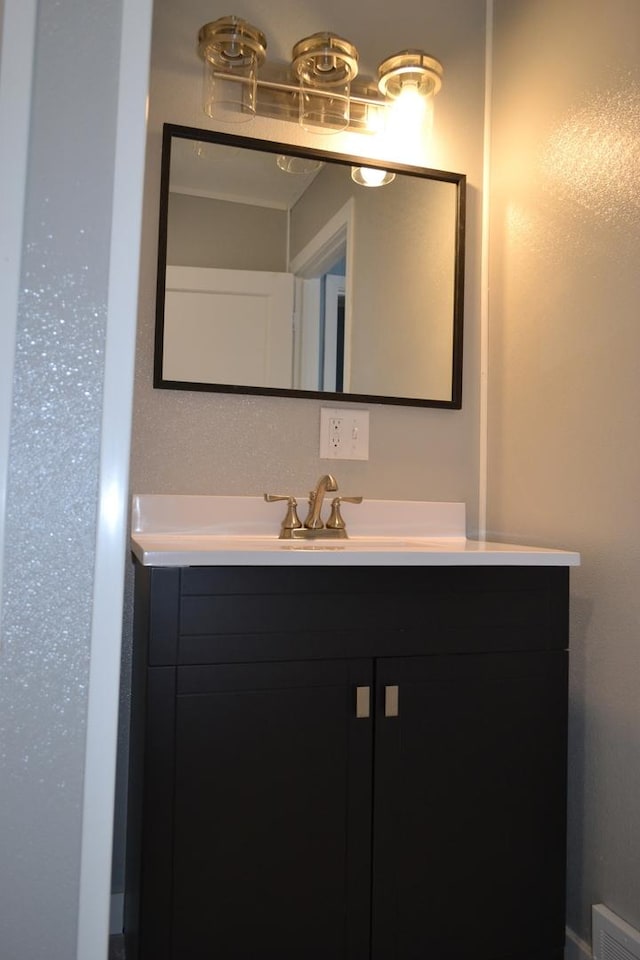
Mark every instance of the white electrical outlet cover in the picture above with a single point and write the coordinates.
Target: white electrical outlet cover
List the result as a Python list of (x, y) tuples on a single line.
[(344, 434)]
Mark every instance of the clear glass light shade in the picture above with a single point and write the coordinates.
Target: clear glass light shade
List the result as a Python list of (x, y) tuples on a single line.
[(229, 99), (324, 66), (409, 80), (232, 50)]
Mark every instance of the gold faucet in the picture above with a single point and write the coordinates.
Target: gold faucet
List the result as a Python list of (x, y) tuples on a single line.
[(326, 484), (335, 523), (313, 527)]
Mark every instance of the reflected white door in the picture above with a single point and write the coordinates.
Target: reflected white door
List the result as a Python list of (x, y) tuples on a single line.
[(228, 326)]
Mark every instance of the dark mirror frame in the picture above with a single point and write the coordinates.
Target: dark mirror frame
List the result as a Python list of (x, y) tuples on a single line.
[(171, 131)]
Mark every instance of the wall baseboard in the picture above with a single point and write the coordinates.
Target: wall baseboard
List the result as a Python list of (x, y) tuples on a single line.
[(575, 948), (116, 913)]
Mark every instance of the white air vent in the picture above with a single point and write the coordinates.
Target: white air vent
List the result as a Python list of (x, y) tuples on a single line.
[(613, 938)]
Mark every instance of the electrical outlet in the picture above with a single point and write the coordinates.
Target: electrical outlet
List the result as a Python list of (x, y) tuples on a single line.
[(344, 434)]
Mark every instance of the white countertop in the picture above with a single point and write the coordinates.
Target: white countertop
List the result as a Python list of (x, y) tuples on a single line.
[(177, 531)]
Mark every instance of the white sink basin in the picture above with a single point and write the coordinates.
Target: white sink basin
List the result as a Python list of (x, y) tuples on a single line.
[(175, 531)]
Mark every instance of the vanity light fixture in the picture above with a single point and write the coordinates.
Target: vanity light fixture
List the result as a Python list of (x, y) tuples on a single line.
[(320, 89), (371, 176)]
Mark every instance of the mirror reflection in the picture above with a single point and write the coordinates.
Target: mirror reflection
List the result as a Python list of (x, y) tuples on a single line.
[(281, 271)]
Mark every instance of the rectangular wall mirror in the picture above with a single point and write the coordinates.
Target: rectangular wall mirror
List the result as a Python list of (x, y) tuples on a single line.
[(279, 273)]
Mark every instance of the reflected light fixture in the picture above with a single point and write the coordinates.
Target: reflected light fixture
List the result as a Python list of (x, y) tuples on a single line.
[(320, 89), (371, 176), (300, 165)]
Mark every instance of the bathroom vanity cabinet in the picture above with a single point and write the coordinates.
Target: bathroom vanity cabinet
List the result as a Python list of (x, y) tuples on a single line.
[(348, 763)]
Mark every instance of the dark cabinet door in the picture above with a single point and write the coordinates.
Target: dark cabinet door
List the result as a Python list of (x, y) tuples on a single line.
[(469, 807), (272, 822)]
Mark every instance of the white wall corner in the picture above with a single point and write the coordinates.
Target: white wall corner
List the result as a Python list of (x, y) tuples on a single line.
[(111, 535), (575, 948)]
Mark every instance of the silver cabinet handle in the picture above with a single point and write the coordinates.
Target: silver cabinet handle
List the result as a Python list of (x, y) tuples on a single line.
[(363, 702), (391, 701)]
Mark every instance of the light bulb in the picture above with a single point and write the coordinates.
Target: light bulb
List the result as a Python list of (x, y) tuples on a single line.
[(410, 107), (410, 122), (371, 177)]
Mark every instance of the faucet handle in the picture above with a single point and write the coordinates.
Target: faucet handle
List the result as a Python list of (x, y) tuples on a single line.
[(291, 520), (335, 521)]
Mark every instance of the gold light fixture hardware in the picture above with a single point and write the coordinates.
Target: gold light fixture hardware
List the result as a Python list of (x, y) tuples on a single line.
[(372, 176), (230, 43), (320, 89), (324, 60), (409, 69)]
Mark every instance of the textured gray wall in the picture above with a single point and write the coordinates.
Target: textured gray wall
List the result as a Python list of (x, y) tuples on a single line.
[(564, 464), (207, 443), (52, 489), (222, 444)]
